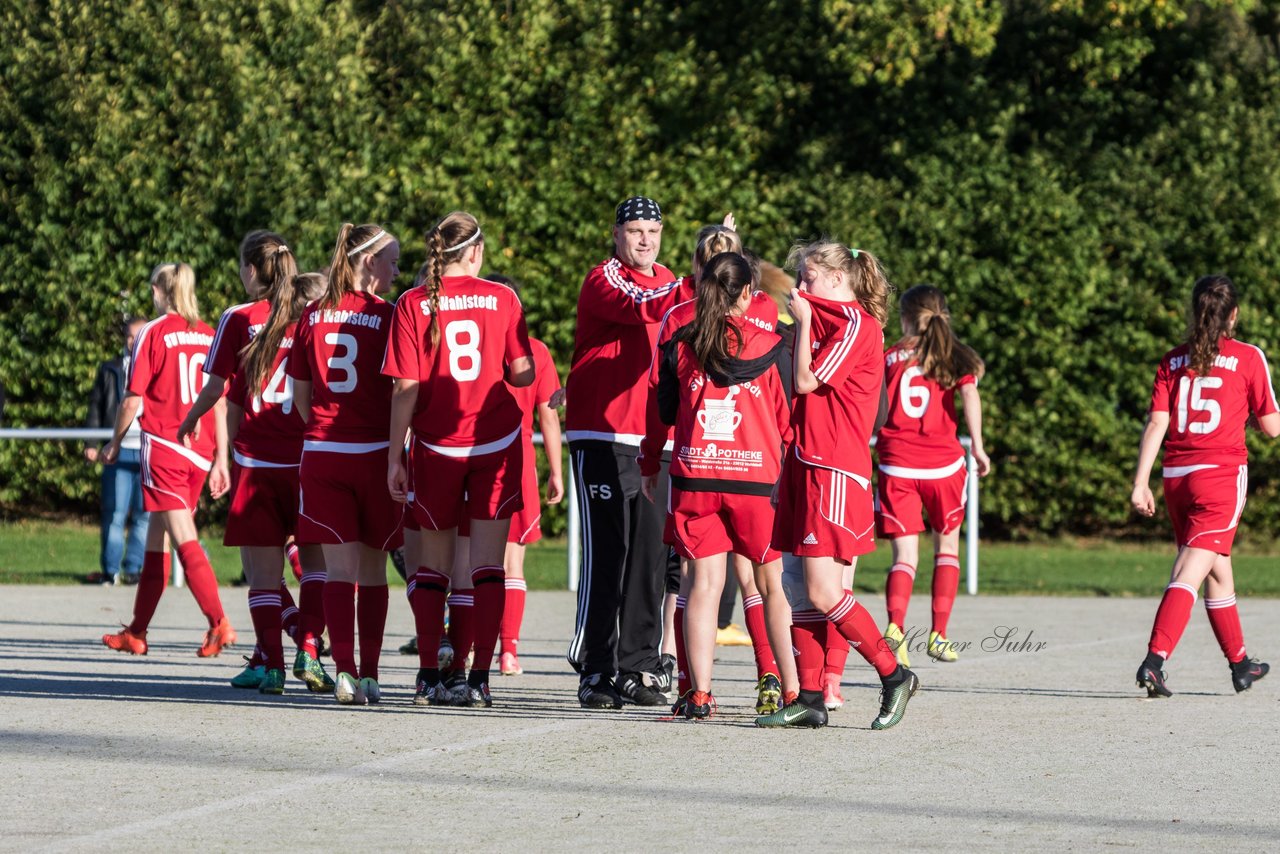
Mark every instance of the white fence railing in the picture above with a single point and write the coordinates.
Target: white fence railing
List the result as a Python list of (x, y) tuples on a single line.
[(574, 562)]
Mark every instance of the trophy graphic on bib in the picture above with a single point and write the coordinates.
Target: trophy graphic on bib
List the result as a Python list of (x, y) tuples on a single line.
[(720, 418)]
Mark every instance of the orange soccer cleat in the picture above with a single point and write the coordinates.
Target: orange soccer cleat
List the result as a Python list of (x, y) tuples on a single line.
[(126, 641), (216, 638)]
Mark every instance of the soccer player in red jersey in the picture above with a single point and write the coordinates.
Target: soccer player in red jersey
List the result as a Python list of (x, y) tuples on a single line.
[(456, 343), (1205, 392), (165, 378), (719, 385), (824, 504), (922, 464), (345, 401)]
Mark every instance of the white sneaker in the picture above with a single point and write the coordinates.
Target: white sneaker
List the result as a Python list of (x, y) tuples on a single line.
[(347, 691), (369, 688)]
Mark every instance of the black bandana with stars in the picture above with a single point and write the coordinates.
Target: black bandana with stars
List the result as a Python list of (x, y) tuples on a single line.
[(638, 207)]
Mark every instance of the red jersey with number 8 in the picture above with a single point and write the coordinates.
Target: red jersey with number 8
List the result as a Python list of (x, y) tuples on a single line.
[(338, 350), (463, 401), (1207, 415), (920, 431), (271, 430), (165, 371)]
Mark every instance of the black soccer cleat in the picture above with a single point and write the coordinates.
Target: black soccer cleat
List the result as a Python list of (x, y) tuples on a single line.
[(631, 686), (597, 692), (1153, 679), (701, 705), (1247, 671), (795, 714)]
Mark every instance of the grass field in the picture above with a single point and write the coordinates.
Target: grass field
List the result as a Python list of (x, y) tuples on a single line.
[(65, 552)]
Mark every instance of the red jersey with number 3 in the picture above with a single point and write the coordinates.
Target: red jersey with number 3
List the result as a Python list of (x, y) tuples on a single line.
[(339, 350), (920, 431), (833, 423), (1207, 415), (271, 430), (236, 329), (463, 399), (165, 371)]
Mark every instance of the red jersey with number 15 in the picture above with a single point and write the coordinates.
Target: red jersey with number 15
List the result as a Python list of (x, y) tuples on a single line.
[(463, 400), (1207, 415), (920, 431), (236, 329), (271, 430), (339, 350), (165, 371)]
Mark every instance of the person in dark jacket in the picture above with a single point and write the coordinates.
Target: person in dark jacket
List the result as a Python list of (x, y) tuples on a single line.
[(122, 480)]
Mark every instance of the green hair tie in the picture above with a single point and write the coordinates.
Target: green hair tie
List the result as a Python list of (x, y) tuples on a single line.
[(856, 252)]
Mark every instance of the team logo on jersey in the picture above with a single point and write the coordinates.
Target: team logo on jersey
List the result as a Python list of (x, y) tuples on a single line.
[(719, 419)]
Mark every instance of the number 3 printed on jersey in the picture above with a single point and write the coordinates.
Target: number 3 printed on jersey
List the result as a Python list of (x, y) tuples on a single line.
[(915, 398), (342, 360), (463, 338), (1189, 394)]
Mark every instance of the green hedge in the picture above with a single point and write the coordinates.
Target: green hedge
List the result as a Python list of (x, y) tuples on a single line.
[(1063, 170)]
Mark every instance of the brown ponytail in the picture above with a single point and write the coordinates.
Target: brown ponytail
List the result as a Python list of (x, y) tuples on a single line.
[(288, 300), (723, 279), (1213, 299), (354, 242), (271, 259), (711, 240), (942, 356), (447, 241)]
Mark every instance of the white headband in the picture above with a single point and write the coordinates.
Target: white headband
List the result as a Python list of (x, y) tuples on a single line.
[(469, 240), (363, 246)]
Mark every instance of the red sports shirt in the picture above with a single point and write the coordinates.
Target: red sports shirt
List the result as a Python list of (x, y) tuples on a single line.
[(545, 382), (165, 371), (271, 431), (236, 329), (919, 434), (339, 350), (1207, 414), (463, 400), (833, 423)]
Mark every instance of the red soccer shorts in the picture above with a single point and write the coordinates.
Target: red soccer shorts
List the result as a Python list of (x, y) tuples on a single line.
[(707, 524), (900, 501), (264, 505), (823, 513), (1205, 505), (344, 499), (172, 476), (486, 486)]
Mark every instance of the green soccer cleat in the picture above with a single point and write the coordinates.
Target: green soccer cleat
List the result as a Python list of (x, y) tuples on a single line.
[(893, 699), (311, 671), (250, 677), (794, 714), (272, 682), (768, 694), (898, 643), (941, 649)]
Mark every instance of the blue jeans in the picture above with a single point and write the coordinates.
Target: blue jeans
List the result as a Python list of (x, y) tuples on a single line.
[(121, 505)]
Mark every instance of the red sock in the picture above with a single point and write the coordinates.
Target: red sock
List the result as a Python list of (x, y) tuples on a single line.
[(371, 618), (1225, 620), (513, 614), (1171, 618), (291, 552), (490, 598), (264, 610), (684, 682), (836, 654), (256, 659), (461, 631), (809, 635), (897, 591), (290, 616), (311, 606), (151, 585), (946, 579), (753, 613), (857, 626), (340, 614), (429, 591), (201, 581)]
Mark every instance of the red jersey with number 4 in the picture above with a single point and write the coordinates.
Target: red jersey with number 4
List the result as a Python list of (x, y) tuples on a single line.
[(271, 430), (920, 431), (339, 350), (236, 329), (833, 423), (1207, 414), (165, 371), (463, 400)]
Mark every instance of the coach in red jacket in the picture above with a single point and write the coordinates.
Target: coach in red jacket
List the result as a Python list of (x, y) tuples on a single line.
[(615, 646)]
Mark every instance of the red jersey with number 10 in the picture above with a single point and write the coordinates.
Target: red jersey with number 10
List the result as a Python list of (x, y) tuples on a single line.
[(271, 430), (920, 431), (165, 371), (1207, 415), (338, 350), (463, 400)]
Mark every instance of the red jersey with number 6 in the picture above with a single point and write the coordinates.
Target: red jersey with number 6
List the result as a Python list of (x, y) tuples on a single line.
[(1207, 415), (338, 350), (920, 431), (165, 371), (463, 401), (271, 430), (236, 328)]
